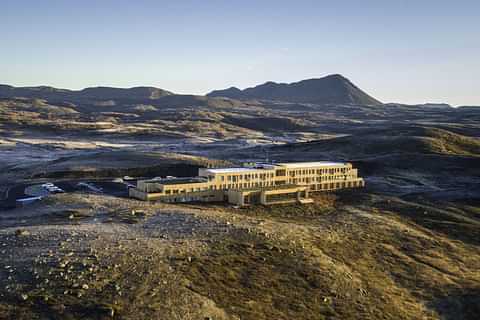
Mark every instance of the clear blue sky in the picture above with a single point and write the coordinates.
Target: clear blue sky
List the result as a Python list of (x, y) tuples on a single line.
[(403, 51)]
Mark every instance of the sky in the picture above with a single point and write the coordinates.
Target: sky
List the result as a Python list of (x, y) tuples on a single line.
[(396, 50)]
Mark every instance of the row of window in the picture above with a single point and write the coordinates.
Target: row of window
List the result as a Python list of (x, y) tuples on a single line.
[(248, 176), (293, 173), (319, 179), (337, 185), (223, 187), (269, 175), (246, 185)]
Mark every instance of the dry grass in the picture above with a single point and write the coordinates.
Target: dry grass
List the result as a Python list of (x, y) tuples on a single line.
[(365, 261), (345, 257)]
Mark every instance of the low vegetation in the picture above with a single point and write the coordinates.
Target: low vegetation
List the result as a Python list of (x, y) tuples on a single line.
[(349, 255)]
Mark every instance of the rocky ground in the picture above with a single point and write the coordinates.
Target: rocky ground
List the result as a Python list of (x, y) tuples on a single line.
[(348, 256)]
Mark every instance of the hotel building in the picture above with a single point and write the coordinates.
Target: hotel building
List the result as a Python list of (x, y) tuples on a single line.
[(264, 183)]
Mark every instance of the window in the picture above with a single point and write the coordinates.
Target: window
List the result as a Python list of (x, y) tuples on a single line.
[(167, 191), (280, 173)]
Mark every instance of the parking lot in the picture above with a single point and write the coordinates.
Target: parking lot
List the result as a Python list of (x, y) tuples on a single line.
[(43, 189)]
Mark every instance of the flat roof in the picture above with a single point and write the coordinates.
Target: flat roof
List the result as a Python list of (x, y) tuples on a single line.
[(232, 170), (168, 181), (311, 164)]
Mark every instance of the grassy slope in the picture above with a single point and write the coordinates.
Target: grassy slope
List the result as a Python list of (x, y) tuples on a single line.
[(365, 259), (411, 139)]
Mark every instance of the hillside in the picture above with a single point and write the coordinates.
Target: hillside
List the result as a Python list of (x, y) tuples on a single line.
[(332, 89), (397, 140)]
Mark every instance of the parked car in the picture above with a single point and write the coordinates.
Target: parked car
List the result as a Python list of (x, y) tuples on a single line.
[(55, 189)]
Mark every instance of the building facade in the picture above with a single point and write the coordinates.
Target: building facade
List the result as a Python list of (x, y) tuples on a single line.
[(263, 183)]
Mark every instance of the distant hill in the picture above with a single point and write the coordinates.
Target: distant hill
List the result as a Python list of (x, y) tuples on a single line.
[(111, 99), (391, 140), (119, 93), (469, 107), (94, 93), (332, 89)]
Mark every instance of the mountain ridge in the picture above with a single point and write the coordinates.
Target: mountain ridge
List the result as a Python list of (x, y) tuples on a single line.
[(99, 92), (331, 89)]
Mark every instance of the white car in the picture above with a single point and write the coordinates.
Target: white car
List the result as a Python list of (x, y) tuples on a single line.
[(54, 189), (48, 184)]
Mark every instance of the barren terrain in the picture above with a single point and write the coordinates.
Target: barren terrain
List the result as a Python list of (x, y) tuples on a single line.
[(405, 247)]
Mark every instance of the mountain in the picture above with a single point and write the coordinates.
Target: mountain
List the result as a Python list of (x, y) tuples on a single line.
[(332, 89), (151, 93), (232, 93), (94, 93)]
